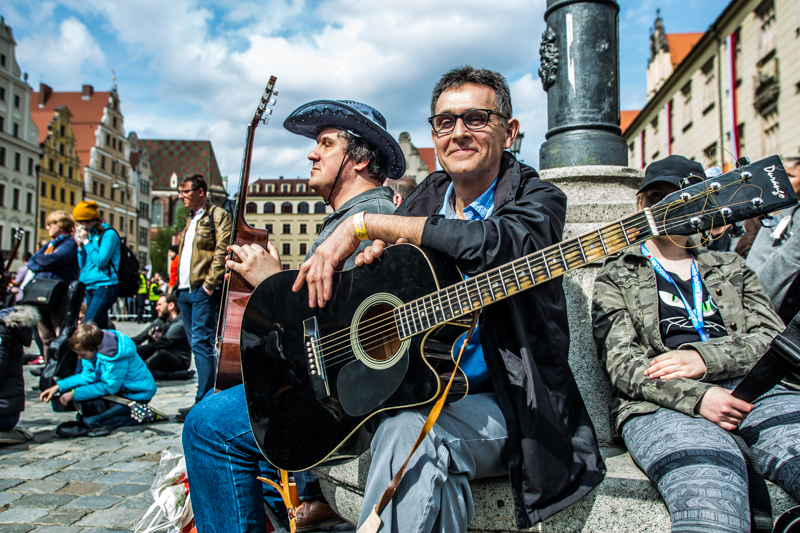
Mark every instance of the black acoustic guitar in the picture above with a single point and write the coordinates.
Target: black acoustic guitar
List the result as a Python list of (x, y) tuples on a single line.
[(315, 379)]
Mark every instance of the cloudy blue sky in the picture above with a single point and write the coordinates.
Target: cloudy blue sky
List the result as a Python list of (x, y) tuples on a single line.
[(195, 69)]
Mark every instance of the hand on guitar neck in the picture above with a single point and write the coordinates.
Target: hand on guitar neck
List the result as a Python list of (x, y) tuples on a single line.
[(253, 263)]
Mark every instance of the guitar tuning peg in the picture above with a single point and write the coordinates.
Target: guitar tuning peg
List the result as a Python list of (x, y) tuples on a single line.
[(275, 93), (265, 120), (713, 171), (743, 161), (272, 101), (737, 230)]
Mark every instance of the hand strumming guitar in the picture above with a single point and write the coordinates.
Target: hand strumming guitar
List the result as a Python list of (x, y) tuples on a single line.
[(318, 270), (253, 263)]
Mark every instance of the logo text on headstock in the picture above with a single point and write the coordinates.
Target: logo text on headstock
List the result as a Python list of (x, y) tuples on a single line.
[(778, 191)]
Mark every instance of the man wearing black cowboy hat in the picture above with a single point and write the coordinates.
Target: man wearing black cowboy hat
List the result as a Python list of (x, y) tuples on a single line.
[(354, 154), (524, 416)]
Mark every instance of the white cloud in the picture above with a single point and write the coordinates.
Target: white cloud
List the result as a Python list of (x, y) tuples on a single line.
[(64, 59)]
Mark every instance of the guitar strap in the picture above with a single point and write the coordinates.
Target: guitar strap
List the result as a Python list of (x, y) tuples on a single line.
[(283, 490), (373, 522)]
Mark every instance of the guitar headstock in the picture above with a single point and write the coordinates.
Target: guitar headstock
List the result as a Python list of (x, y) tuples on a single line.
[(755, 189), (19, 234), (267, 102)]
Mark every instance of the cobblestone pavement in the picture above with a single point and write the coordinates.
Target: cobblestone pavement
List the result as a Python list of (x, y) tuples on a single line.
[(100, 484)]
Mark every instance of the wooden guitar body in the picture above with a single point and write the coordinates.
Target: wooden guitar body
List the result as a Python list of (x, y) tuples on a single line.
[(298, 420)]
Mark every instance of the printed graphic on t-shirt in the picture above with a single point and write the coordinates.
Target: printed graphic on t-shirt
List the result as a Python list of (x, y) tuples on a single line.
[(674, 323)]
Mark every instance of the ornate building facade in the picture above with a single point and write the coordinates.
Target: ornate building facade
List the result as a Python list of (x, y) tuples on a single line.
[(729, 92), (141, 177), (60, 177), (19, 151), (293, 214)]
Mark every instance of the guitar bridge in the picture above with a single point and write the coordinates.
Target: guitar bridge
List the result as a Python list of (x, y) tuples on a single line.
[(316, 369)]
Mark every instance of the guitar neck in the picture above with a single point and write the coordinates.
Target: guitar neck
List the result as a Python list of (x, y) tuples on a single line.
[(529, 271)]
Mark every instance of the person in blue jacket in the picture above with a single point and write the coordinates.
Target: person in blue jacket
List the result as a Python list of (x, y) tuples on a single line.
[(98, 256), (110, 366), (58, 259)]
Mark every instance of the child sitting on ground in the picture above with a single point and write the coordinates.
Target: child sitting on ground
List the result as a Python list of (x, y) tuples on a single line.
[(110, 366)]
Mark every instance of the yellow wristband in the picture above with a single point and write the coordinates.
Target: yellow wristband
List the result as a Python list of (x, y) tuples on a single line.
[(361, 228)]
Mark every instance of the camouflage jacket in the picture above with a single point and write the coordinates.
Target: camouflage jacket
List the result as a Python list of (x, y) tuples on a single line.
[(625, 329)]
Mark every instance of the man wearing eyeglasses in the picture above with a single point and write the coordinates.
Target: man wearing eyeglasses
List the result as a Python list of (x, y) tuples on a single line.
[(523, 416), (201, 267)]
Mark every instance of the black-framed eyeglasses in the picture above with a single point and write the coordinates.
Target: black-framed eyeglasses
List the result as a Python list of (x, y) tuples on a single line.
[(187, 191), (474, 119)]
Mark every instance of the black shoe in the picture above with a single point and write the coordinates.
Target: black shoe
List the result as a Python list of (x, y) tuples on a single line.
[(37, 371), (181, 417), (185, 410)]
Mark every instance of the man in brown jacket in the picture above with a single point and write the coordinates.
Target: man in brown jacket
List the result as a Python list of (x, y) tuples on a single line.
[(200, 271)]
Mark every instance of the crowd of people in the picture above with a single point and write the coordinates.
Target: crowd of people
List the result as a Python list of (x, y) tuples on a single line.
[(676, 324)]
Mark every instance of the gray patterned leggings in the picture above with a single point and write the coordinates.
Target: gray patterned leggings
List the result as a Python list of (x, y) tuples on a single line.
[(699, 470)]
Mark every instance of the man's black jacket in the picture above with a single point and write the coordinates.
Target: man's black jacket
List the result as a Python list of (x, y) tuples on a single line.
[(553, 455), (173, 338)]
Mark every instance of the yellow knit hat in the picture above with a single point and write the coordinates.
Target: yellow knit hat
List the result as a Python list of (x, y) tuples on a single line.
[(86, 211)]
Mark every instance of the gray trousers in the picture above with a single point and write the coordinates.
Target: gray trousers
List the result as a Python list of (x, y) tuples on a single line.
[(467, 442), (699, 470)]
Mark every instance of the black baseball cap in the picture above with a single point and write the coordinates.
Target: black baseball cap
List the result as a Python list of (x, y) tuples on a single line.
[(672, 169)]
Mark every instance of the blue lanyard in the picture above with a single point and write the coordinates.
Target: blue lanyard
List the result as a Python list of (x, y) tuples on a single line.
[(696, 314)]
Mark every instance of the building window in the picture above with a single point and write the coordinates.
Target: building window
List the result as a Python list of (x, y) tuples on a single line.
[(51, 164), (111, 218), (63, 195), (268, 227), (710, 153), (287, 228), (63, 130), (3, 90), (72, 198), (709, 86), (16, 130), (61, 148), (122, 222), (686, 91), (303, 230), (103, 190), (44, 190), (144, 210), (143, 233), (765, 14), (270, 187), (254, 187), (251, 208), (144, 186), (286, 208), (301, 187), (94, 188), (52, 192), (42, 219), (114, 121), (286, 188), (2, 124), (269, 207), (102, 162), (61, 169), (319, 228), (29, 203), (142, 258), (302, 208), (2, 195), (771, 130), (70, 173), (17, 101), (287, 266), (17, 161), (2, 62), (319, 208), (303, 249), (30, 166), (157, 211), (131, 223), (15, 200), (287, 249), (2, 156)]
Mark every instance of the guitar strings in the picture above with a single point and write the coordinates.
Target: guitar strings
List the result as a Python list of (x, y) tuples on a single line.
[(569, 250)]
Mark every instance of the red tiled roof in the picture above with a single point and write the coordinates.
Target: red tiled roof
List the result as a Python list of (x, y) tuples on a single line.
[(42, 118), (625, 119), (86, 116), (429, 156), (680, 44), (182, 157)]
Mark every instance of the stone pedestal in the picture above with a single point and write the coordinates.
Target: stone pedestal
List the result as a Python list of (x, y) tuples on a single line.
[(626, 501)]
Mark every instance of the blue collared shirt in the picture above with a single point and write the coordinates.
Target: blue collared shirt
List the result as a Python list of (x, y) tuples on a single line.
[(473, 363)]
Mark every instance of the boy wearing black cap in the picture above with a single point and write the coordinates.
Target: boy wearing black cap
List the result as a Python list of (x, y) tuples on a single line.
[(354, 154), (675, 327)]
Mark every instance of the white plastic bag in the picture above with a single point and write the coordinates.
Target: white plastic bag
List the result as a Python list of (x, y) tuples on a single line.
[(172, 510)]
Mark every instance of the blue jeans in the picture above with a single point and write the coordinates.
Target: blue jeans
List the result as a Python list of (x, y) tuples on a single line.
[(98, 302), (223, 460), (99, 412), (7, 423), (200, 313)]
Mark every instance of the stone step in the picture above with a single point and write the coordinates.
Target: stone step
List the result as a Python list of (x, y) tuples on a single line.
[(625, 502)]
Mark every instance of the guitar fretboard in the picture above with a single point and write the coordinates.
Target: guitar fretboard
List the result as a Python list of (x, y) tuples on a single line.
[(507, 280)]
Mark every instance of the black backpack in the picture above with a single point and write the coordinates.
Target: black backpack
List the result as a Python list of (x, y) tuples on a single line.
[(128, 273)]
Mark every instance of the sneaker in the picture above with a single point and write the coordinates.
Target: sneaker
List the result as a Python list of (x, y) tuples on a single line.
[(314, 515), (38, 361), (185, 410), (37, 371)]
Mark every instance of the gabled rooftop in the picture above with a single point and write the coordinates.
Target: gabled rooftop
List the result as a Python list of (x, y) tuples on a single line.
[(182, 157), (680, 44)]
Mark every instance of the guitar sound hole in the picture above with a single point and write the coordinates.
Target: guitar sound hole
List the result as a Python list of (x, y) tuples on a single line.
[(378, 334)]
